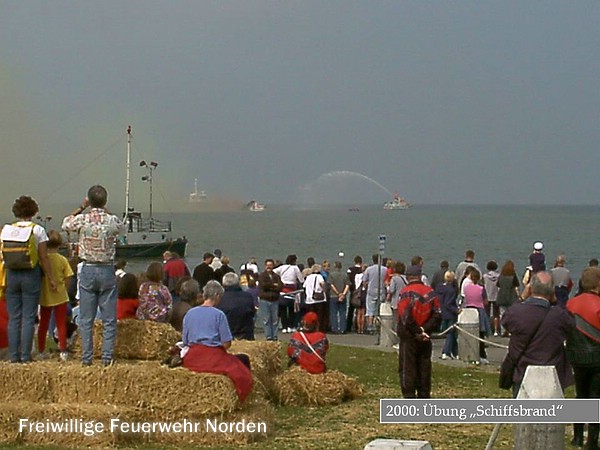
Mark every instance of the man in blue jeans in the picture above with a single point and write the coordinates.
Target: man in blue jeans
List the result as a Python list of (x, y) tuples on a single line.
[(269, 288), (98, 231)]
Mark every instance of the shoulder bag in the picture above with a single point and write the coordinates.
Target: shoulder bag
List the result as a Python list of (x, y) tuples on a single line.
[(318, 296)]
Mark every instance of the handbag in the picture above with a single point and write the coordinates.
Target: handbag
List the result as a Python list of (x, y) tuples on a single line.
[(355, 298), (317, 295), (508, 366)]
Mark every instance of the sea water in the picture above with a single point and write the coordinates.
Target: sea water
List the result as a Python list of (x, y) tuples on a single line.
[(434, 232)]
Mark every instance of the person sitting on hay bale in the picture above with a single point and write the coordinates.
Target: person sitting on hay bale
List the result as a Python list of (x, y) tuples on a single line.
[(127, 299), (155, 299), (308, 347), (189, 291), (207, 336)]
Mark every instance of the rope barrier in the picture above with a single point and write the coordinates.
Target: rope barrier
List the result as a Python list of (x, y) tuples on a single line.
[(443, 333)]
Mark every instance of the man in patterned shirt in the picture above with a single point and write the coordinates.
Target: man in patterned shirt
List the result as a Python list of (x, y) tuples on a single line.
[(98, 231)]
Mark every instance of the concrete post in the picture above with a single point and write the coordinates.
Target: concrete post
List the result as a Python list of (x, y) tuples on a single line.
[(468, 347), (540, 382), (394, 444), (386, 338)]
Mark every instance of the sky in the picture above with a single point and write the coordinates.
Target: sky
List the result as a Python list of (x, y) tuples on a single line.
[(464, 102)]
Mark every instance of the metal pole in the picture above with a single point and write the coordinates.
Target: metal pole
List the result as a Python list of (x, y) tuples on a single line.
[(127, 173), (151, 193)]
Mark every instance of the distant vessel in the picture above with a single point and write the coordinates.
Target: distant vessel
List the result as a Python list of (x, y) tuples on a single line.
[(397, 203), (254, 206), (145, 238), (197, 196)]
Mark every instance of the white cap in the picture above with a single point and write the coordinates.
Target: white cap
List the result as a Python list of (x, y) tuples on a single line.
[(538, 246)]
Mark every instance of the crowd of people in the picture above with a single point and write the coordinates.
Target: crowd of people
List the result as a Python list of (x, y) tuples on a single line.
[(213, 304)]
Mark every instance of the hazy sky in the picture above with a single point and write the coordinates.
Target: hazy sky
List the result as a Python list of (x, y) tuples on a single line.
[(444, 102)]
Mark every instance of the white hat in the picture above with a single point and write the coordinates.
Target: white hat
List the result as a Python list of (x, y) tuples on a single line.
[(538, 246)]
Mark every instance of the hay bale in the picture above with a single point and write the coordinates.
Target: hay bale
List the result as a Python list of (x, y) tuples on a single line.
[(136, 339), (300, 388), (265, 359), (156, 388), (65, 415), (26, 382)]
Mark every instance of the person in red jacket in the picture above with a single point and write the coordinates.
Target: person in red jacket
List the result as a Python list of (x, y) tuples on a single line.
[(308, 347), (419, 315)]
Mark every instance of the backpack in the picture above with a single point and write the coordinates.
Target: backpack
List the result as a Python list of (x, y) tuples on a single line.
[(19, 247)]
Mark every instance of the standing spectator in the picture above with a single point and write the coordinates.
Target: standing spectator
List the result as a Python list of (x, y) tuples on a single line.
[(24, 285), (592, 263), (98, 231), (55, 301), (583, 348), (490, 280), (225, 268), (397, 283), (469, 261), (316, 300), (339, 288), (561, 278), (216, 261), (438, 277), (418, 316), (292, 278), (269, 287), (203, 273), (373, 279), (476, 297), (352, 272), (448, 293), (120, 265), (551, 327), (238, 307), (155, 299), (174, 269), (508, 289)]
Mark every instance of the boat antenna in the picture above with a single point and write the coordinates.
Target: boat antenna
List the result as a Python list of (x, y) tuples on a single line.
[(127, 173)]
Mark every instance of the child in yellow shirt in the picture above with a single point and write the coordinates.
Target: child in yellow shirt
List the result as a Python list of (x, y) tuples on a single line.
[(55, 300)]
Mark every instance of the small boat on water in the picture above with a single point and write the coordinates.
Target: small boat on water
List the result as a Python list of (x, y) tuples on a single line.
[(197, 196), (397, 203), (145, 238), (254, 206)]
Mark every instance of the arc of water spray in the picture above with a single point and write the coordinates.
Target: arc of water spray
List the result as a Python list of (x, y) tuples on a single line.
[(347, 173)]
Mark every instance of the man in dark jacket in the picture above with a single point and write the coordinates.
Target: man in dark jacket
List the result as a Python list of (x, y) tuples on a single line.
[(203, 273), (419, 315), (553, 325), (238, 307), (269, 288)]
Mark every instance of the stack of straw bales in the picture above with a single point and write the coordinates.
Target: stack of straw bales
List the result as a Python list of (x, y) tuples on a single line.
[(297, 387), (265, 359), (136, 339)]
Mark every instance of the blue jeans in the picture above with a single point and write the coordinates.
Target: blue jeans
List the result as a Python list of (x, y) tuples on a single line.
[(97, 289), (269, 312), (451, 344), (23, 288), (337, 315)]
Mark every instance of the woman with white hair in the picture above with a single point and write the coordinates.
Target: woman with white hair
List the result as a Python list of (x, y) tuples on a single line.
[(207, 334), (316, 300)]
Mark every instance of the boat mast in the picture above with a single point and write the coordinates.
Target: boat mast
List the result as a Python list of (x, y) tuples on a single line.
[(127, 173)]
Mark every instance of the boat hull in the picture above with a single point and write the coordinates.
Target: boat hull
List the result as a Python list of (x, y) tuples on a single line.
[(151, 249)]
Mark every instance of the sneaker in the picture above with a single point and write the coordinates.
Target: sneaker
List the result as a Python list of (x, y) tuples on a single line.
[(43, 356), (444, 356), (108, 362), (396, 346), (64, 356), (455, 357), (284, 330), (483, 361), (495, 334)]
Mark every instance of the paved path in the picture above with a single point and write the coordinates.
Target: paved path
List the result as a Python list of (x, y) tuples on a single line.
[(495, 354)]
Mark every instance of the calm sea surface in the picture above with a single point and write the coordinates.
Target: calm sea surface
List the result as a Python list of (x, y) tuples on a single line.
[(434, 232)]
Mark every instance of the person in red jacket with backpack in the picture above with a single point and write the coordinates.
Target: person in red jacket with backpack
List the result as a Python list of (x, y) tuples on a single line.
[(308, 347), (419, 315)]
